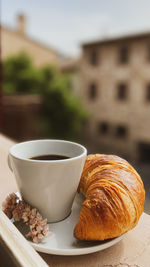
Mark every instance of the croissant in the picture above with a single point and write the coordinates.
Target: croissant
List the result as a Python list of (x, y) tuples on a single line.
[(114, 195)]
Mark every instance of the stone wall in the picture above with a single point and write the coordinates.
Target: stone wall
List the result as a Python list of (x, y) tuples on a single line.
[(133, 112), (21, 117)]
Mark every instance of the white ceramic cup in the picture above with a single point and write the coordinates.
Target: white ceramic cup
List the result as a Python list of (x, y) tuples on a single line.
[(51, 185)]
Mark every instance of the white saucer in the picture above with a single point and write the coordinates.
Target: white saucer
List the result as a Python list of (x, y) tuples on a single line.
[(61, 240)]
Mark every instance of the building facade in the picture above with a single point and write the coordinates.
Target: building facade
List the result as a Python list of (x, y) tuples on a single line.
[(17, 41), (115, 88)]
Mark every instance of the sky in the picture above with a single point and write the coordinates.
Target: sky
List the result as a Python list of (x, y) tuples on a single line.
[(66, 24)]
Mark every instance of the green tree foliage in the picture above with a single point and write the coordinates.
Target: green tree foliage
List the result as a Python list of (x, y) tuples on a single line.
[(62, 113), (19, 75), (61, 108)]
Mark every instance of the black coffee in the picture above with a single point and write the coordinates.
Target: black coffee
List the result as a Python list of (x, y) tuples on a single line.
[(49, 157)]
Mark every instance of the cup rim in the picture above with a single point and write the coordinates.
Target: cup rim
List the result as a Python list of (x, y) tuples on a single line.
[(84, 153)]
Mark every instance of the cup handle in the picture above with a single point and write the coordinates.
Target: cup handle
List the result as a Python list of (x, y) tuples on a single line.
[(9, 163)]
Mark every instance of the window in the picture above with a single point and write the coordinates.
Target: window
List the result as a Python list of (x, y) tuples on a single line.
[(92, 91), (93, 57), (123, 55), (144, 152), (121, 131), (103, 127), (148, 93), (122, 91)]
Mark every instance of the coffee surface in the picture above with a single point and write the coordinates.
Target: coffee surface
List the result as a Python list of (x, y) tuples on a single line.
[(49, 157)]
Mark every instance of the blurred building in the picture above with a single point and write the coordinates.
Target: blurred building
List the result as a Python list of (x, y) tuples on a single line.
[(22, 113), (70, 67), (22, 116), (15, 41), (115, 87)]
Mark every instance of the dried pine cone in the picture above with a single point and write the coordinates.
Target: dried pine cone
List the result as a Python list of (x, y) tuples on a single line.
[(19, 210)]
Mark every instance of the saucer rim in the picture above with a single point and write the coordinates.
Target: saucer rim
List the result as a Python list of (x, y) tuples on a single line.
[(76, 251)]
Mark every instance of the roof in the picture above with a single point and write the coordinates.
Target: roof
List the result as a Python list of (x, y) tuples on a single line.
[(69, 65), (26, 37), (119, 38)]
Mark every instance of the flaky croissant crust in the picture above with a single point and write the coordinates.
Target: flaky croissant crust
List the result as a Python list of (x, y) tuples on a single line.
[(114, 195)]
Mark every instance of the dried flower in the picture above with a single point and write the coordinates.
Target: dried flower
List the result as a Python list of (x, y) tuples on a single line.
[(20, 210), (9, 205)]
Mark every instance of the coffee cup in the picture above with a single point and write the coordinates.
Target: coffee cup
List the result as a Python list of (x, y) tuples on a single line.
[(47, 184)]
